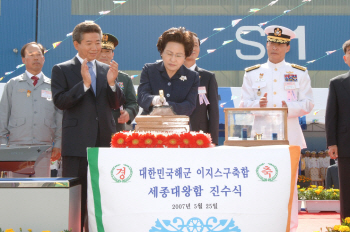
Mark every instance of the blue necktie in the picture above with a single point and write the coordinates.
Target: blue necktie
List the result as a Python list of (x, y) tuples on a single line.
[(93, 76)]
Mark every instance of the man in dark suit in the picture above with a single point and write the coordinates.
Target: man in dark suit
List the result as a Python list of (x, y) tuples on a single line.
[(128, 112), (338, 130), (85, 90), (332, 177), (205, 116)]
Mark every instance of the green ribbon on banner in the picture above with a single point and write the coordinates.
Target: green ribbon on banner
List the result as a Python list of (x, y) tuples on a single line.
[(95, 185)]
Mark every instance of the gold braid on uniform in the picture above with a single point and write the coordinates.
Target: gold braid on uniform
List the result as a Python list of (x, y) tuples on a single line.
[(252, 68), (299, 67), (276, 39)]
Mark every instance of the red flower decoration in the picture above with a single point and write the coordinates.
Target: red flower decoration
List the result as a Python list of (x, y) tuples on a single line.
[(186, 140), (173, 140), (148, 140), (119, 140), (134, 140), (161, 140), (201, 140)]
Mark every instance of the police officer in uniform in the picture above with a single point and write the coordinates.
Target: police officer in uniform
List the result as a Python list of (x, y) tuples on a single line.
[(277, 83), (130, 107)]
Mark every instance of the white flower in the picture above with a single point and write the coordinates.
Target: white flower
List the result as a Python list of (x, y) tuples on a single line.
[(183, 78)]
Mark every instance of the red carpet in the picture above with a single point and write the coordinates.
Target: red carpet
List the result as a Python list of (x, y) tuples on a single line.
[(310, 222)]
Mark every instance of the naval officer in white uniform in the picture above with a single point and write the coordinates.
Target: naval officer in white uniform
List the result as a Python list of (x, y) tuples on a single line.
[(280, 84)]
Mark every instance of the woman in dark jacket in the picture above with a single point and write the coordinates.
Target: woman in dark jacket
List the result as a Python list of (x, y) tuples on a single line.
[(179, 84)]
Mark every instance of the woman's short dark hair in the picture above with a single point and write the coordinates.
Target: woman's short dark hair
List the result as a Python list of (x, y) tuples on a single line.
[(85, 27), (346, 45), (178, 35), (23, 50)]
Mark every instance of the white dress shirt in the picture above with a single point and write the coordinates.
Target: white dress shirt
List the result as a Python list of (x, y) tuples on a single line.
[(31, 75), (193, 67)]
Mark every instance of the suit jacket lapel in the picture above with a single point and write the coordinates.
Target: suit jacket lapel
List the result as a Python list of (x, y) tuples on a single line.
[(76, 67), (346, 82), (198, 71), (101, 78)]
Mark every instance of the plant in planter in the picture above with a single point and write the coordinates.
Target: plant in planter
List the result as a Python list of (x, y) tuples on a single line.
[(303, 181), (345, 226), (319, 193), (319, 199), (301, 193)]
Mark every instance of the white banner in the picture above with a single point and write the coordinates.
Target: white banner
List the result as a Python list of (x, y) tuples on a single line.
[(189, 190)]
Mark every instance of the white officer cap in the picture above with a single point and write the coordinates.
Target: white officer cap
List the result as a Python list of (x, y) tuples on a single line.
[(279, 34)]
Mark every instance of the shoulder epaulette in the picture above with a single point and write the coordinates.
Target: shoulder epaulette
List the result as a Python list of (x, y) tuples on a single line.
[(299, 67), (252, 68)]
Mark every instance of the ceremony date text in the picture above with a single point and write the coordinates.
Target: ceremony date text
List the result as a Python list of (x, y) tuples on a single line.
[(195, 206)]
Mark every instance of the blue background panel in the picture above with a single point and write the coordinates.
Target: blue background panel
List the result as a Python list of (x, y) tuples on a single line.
[(17, 27), (138, 36)]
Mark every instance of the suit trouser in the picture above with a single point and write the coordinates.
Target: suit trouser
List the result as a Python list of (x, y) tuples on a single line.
[(74, 166), (344, 187)]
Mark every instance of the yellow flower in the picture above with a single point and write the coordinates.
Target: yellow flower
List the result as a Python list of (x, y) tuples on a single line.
[(344, 228), (46, 231), (335, 194), (336, 227), (313, 186), (302, 190), (320, 187), (30, 230), (329, 190), (336, 190), (9, 230), (310, 189), (347, 220), (318, 191), (298, 186)]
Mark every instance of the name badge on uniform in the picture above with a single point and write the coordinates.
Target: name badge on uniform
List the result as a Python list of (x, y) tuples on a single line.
[(202, 89), (46, 94), (202, 97), (289, 86)]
